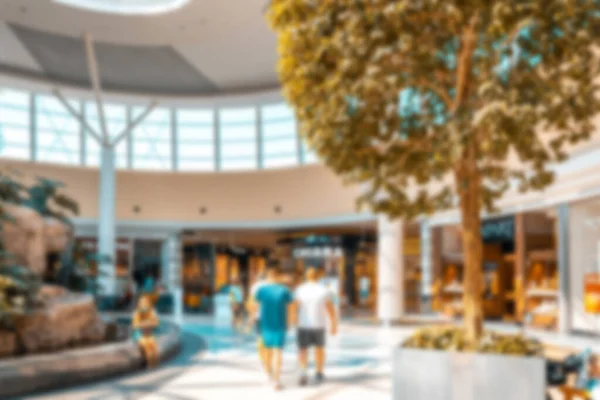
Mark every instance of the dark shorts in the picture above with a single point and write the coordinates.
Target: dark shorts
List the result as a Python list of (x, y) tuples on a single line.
[(310, 338), (238, 310)]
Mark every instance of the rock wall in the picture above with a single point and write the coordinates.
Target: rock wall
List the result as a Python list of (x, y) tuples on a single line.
[(30, 237), (65, 320)]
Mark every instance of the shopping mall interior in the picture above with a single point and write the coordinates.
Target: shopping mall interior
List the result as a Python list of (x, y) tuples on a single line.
[(160, 131)]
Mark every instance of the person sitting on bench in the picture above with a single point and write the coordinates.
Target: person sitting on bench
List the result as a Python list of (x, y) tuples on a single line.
[(145, 321)]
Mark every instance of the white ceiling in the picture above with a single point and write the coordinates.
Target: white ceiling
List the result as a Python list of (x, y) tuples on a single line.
[(227, 41)]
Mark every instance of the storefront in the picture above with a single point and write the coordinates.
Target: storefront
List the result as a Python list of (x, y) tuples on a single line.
[(520, 274)]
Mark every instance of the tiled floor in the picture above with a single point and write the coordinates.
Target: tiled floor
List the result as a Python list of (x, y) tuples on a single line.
[(218, 364)]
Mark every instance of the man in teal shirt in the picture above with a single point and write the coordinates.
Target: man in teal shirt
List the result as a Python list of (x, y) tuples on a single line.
[(274, 300)]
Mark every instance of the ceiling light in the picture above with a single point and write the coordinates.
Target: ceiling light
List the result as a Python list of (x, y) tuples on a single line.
[(126, 7)]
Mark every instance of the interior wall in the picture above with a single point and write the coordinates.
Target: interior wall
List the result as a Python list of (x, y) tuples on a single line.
[(310, 191)]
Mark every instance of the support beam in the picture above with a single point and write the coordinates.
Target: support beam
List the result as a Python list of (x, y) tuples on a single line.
[(106, 222), (129, 139), (78, 116), (299, 147), (174, 140), (95, 80), (390, 271), (32, 128), (171, 272), (426, 267), (259, 138), (132, 124), (562, 238), (216, 139)]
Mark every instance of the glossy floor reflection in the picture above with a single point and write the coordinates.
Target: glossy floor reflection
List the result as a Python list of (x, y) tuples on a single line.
[(217, 363)]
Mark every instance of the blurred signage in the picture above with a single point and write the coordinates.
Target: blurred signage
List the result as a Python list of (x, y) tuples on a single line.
[(317, 252), (498, 230)]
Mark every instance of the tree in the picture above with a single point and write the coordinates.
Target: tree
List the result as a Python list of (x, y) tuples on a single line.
[(434, 104)]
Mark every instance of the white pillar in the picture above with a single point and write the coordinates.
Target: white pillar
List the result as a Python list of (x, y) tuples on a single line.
[(562, 227), (426, 267), (171, 269), (390, 270), (106, 222)]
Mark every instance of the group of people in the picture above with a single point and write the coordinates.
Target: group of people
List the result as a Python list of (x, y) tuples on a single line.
[(272, 308)]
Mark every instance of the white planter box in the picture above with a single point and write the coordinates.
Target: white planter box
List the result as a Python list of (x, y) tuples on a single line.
[(444, 375)]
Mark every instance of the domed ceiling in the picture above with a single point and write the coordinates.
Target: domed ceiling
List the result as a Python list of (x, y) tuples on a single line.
[(198, 47)]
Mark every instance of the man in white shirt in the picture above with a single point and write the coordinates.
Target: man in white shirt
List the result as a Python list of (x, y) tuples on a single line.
[(254, 310), (314, 304)]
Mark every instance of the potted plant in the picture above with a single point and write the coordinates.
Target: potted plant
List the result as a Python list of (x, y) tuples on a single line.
[(435, 105)]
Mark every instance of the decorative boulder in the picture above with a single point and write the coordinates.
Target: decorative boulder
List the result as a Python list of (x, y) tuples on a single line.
[(30, 237), (66, 319), (8, 343)]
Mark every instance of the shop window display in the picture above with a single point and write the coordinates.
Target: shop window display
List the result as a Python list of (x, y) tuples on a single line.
[(520, 276), (412, 277)]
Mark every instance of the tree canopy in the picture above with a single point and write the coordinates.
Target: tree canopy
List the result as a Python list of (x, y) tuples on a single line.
[(416, 97)]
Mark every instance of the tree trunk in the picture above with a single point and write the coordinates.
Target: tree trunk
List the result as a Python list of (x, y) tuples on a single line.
[(469, 185)]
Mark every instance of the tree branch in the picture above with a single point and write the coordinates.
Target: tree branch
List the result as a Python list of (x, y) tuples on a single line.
[(465, 60)]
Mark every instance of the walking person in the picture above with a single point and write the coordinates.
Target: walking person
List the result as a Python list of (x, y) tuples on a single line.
[(254, 311), (274, 300), (315, 304), (236, 295)]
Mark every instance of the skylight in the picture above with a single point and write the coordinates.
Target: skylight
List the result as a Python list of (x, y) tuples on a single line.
[(126, 7)]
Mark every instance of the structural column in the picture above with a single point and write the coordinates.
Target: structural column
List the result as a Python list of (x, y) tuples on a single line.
[(562, 237), (390, 270), (106, 222), (171, 272), (426, 266), (520, 265)]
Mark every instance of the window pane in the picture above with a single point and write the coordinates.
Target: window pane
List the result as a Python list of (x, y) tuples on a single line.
[(14, 124), (195, 140), (279, 141), (281, 161), (277, 112), (237, 136), (309, 156), (58, 132), (152, 140), (116, 121)]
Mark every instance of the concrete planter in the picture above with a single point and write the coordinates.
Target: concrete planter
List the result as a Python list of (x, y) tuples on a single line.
[(444, 375)]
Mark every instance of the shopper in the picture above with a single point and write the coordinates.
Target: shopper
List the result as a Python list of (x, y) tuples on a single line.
[(315, 304), (254, 311), (274, 300), (236, 294), (145, 321)]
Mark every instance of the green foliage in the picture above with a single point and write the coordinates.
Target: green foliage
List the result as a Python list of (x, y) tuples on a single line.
[(18, 290), (414, 99), (79, 269), (46, 190), (450, 338)]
